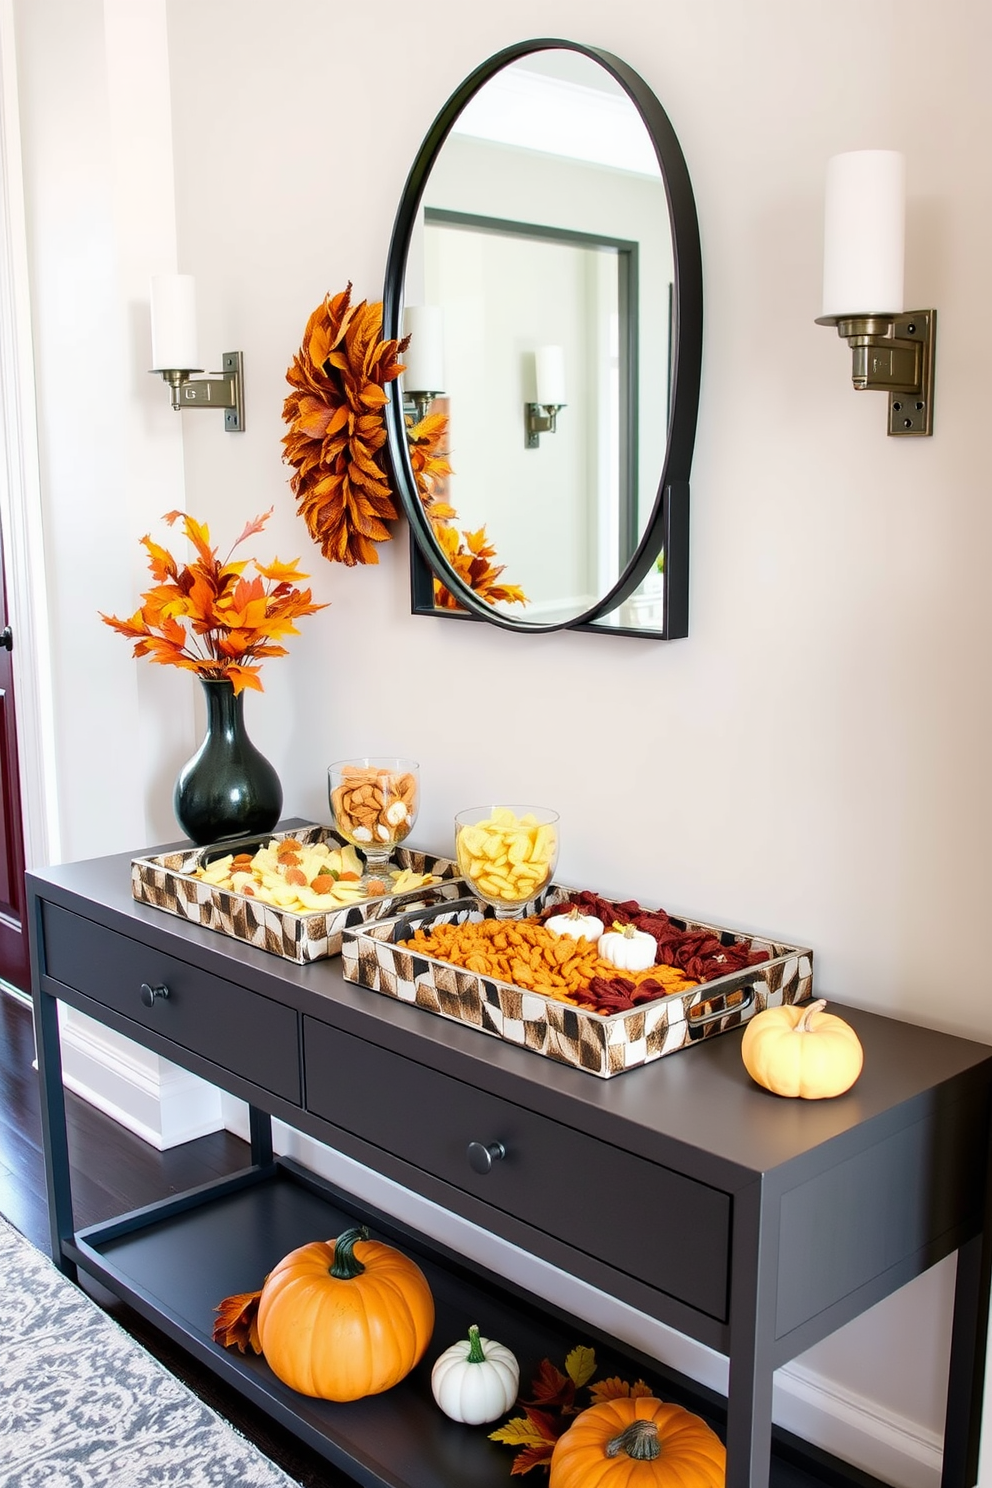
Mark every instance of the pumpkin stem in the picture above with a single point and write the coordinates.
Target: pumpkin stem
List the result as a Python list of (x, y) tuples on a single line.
[(639, 1440), (805, 1024), (627, 931), (346, 1265), (475, 1354)]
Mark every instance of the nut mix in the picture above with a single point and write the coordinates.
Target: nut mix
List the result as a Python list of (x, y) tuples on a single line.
[(302, 879), (373, 805)]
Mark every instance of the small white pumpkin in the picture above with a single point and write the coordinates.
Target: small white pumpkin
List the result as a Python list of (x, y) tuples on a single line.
[(576, 924), (475, 1380), (628, 949)]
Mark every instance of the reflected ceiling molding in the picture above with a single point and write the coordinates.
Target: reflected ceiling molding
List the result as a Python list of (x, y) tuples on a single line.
[(532, 111)]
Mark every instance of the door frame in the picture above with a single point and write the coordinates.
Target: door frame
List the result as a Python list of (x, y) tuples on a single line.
[(20, 489)]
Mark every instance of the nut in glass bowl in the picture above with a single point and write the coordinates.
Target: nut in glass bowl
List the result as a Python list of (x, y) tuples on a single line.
[(507, 853), (374, 803)]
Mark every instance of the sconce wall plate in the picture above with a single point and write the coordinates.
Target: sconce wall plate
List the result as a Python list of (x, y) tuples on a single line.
[(542, 418), (225, 391), (894, 354)]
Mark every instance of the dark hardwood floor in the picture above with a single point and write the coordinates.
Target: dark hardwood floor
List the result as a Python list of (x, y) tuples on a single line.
[(113, 1171)]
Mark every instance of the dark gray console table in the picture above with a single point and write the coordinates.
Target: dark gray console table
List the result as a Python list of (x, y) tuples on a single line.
[(753, 1224)]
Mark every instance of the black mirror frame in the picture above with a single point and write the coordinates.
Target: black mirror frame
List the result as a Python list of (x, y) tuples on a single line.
[(668, 529)]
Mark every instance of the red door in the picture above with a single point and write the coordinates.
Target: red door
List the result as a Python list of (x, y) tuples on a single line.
[(14, 967)]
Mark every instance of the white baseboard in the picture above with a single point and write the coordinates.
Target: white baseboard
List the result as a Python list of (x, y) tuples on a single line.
[(160, 1103), (815, 1408)]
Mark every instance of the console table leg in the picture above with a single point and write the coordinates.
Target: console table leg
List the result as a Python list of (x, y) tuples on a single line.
[(260, 1131), (752, 1294), (53, 1127), (966, 1376)]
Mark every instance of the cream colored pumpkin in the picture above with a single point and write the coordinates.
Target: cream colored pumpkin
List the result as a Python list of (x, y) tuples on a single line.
[(628, 949), (802, 1051), (575, 924)]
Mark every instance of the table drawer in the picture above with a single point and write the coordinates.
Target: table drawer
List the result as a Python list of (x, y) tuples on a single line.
[(669, 1231), (233, 1028)]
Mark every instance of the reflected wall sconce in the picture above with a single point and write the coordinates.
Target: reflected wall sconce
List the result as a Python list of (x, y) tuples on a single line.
[(423, 379), (541, 416), (175, 356), (863, 256)]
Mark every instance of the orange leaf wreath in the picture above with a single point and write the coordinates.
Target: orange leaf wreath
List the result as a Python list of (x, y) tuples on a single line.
[(337, 430), (208, 616), (336, 436)]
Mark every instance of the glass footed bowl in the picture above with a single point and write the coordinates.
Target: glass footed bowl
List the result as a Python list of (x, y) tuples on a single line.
[(507, 853), (374, 801)]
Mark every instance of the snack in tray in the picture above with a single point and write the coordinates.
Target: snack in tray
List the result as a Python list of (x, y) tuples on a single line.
[(302, 879), (507, 858), (373, 804), (527, 954)]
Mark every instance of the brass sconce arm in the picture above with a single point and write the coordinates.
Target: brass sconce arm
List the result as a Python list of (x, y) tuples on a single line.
[(419, 403), (541, 418), (894, 354), (222, 390)]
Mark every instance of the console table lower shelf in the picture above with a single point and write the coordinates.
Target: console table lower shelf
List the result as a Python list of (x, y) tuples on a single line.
[(175, 1260)]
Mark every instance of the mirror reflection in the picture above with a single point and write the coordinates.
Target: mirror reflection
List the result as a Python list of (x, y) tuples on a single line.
[(538, 291)]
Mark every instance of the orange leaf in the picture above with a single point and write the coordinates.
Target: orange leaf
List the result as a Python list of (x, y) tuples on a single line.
[(237, 1323)]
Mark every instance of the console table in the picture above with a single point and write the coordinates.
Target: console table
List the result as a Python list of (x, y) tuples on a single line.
[(753, 1224)]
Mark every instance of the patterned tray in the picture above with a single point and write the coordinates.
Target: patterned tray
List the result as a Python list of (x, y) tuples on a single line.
[(601, 1045), (167, 882)]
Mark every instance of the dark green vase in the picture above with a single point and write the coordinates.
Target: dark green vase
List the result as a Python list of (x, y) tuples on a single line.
[(228, 789)]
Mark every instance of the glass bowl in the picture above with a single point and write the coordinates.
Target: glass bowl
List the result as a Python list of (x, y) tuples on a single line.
[(507, 853), (374, 803)]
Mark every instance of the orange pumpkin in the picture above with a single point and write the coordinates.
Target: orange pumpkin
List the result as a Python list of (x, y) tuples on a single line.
[(345, 1318), (638, 1442)]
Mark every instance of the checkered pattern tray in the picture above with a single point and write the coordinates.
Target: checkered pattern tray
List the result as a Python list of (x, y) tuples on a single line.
[(601, 1045), (167, 882)]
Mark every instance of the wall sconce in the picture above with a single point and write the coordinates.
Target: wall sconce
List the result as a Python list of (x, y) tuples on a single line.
[(423, 380), (541, 416), (864, 242), (175, 356)]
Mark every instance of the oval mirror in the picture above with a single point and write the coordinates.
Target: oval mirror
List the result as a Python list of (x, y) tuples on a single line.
[(545, 264)]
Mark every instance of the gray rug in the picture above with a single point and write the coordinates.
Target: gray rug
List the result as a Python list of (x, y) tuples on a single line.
[(84, 1406)]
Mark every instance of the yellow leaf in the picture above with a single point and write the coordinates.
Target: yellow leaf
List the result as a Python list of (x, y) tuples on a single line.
[(580, 1366), (518, 1433)]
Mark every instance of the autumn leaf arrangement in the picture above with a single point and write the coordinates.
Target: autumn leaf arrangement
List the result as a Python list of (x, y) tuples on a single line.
[(335, 445), (556, 1399), (212, 616)]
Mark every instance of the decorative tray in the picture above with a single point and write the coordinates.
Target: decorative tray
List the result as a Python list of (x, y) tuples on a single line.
[(168, 882), (601, 1044)]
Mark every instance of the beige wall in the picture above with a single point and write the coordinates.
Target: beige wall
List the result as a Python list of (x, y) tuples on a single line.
[(813, 760)]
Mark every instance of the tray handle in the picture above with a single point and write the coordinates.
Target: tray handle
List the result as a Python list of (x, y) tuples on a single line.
[(737, 1000)]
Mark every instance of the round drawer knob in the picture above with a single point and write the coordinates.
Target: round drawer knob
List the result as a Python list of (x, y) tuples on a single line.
[(149, 994), (482, 1155)]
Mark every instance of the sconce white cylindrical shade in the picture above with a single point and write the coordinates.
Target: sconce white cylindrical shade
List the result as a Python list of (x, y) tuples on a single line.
[(424, 357), (864, 233), (174, 340), (549, 366)]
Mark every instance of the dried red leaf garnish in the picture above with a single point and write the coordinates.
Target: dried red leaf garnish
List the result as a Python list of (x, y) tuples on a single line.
[(700, 954), (237, 1323)]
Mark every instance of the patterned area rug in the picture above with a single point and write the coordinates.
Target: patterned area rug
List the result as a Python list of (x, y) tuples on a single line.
[(84, 1406)]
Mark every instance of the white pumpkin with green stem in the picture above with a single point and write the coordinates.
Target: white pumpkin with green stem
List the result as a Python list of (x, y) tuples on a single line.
[(580, 926), (475, 1380), (627, 948)]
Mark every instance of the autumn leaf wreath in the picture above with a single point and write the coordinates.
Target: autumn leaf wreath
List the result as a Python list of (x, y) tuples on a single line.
[(335, 444)]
